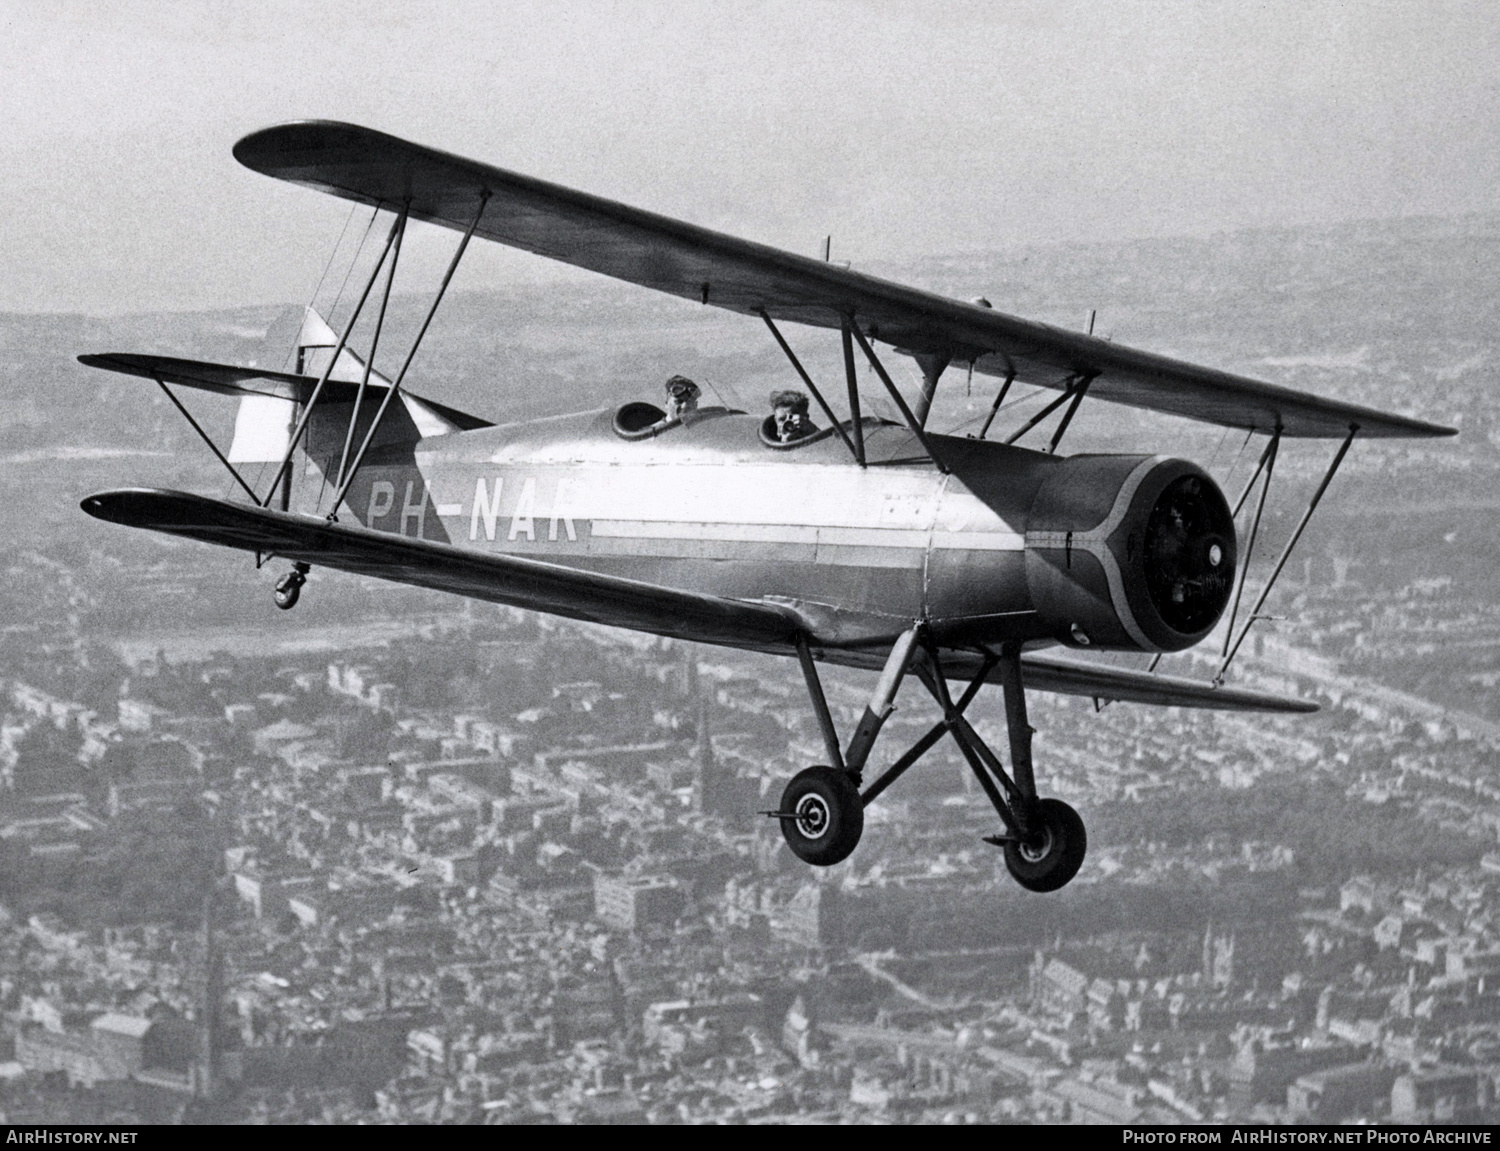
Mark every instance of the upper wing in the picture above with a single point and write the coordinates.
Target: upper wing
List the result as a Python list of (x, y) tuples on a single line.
[(697, 263), (513, 580)]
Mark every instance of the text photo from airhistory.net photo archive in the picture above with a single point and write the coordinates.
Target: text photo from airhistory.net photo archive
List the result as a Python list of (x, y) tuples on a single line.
[(852, 562)]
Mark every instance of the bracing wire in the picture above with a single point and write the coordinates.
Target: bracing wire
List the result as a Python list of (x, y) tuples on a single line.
[(350, 270), (1240, 455), (337, 244), (1218, 447), (1005, 407), (733, 401), (312, 300)]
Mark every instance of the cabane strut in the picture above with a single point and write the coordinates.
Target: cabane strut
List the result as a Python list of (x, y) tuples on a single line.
[(906, 413), (838, 426)]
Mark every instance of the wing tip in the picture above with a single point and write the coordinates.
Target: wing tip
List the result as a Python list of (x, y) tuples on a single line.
[(138, 507), (130, 363), (1301, 706), (111, 506), (269, 150), (1248, 699), (1407, 428)]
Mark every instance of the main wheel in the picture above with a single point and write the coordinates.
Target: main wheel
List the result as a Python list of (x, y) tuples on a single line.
[(1054, 854), (823, 816), (289, 590)]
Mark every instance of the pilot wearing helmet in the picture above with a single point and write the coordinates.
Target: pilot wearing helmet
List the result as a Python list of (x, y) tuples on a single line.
[(682, 398), (789, 416)]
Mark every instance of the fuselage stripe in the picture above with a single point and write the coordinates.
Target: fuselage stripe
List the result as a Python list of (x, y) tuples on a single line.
[(808, 534)]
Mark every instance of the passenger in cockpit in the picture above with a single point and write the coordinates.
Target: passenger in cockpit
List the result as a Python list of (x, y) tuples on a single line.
[(789, 415), (682, 398)]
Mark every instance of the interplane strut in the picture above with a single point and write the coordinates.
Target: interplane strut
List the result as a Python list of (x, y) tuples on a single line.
[(286, 460), (416, 343), (364, 380), (1286, 552)]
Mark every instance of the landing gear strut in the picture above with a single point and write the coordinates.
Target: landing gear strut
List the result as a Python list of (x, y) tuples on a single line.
[(822, 809), (289, 587)]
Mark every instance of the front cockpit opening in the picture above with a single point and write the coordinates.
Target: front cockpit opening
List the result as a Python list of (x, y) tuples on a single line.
[(641, 420)]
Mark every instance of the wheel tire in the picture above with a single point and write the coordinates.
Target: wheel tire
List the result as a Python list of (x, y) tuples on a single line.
[(1055, 858), (830, 816), (289, 591)]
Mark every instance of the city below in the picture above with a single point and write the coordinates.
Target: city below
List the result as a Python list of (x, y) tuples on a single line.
[(243, 886)]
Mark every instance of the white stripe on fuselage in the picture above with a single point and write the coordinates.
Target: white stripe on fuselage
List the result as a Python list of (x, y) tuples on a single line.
[(806, 534), (739, 503)]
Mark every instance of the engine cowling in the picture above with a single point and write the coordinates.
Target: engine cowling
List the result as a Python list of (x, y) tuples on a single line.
[(1130, 552)]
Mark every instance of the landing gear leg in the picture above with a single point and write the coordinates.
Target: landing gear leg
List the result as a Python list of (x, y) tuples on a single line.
[(822, 816), (289, 586), (1045, 839), (882, 703), (986, 767), (822, 810)]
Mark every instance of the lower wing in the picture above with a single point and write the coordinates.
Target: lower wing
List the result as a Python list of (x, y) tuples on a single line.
[(604, 599), (512, 580)]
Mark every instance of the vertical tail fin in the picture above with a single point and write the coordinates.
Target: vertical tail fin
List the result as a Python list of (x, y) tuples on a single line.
[(263, 424), (315, 344)]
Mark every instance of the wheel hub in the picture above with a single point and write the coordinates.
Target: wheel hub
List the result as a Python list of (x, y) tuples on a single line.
[(812, 816), (1038, 848)]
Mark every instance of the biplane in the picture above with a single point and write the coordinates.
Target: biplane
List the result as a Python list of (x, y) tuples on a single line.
[(865, 542)]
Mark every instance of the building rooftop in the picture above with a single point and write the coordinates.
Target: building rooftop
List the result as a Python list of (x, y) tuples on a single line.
[(131, 1025)]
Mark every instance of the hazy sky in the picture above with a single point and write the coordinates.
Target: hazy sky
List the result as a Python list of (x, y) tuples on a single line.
[(901, 128)]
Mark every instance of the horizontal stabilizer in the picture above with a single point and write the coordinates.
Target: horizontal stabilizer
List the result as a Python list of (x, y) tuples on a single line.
[(228, 380)]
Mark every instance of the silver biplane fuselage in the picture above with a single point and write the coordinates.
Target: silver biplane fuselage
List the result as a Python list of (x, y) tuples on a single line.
[(1012, 544)]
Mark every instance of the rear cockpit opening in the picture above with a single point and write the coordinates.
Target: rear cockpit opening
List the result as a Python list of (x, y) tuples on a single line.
[(770, 438), (789, 425), (642, 421)]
